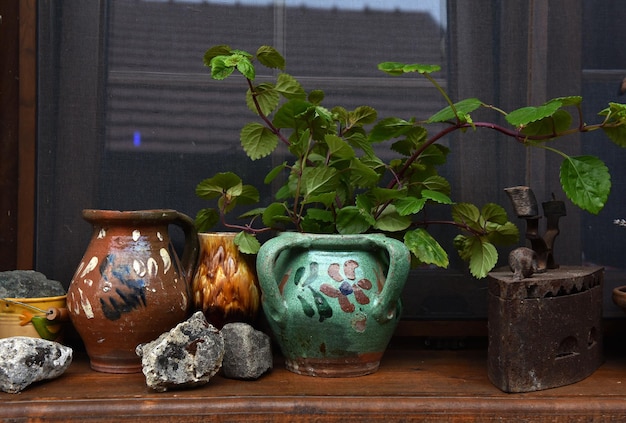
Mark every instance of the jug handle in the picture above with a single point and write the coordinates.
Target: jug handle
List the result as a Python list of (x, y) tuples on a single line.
[(398, 270), (399, 267), (191, 248), (273, 304)]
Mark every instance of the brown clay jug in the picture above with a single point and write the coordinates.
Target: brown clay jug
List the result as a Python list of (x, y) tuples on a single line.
[(130, 286)]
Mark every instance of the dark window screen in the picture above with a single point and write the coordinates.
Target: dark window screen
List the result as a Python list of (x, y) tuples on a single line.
[(130, 119)]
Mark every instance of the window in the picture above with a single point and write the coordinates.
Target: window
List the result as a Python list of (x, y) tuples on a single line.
[(130, 119)]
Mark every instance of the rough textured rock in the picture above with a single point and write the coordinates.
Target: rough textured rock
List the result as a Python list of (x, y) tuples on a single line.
[(248, 352), (27, 360), (28, 284), (185, 357)]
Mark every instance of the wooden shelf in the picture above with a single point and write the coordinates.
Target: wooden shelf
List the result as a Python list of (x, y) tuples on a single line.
[(413, 383)]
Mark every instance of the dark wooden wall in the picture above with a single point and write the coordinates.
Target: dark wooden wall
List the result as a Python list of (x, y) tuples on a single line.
[(17, 132)]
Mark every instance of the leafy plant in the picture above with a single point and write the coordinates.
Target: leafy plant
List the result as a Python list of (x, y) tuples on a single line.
[(336, 183)]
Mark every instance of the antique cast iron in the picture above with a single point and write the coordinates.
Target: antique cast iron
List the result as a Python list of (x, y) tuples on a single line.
[(544, 330)]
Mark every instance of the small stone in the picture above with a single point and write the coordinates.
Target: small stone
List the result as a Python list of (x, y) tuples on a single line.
[(27, 360), (187, 356), (248, 352), (28, 284)]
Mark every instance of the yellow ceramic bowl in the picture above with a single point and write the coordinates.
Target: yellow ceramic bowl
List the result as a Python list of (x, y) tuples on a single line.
[(27, 317)]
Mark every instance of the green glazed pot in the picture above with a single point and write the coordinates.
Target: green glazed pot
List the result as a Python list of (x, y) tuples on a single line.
[(332, 301)]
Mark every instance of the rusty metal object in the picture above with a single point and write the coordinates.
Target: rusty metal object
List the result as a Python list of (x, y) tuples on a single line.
[(544, 331), (523, 263), (525, 205)]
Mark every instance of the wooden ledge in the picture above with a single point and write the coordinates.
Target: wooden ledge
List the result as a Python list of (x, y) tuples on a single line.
[(412, 383)]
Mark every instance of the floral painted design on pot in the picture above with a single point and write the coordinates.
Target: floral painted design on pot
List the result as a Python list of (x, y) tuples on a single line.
[(225, 285), (332, 301), (130, 285)]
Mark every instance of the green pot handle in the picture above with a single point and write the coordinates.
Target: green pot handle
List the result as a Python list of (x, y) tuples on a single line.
[(399, 266)]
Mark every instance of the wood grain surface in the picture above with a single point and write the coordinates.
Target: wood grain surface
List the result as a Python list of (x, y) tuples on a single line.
[(413, 384)]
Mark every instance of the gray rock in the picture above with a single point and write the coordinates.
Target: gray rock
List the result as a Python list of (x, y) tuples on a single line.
[(27, 360), (28, 284), (189, 355), (248, 352)]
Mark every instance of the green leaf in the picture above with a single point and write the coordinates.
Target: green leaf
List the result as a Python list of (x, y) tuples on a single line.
[(273, 213), (403, 146), (219, 68), (206, 219), (436, 196), (300, 145), (218, 50), (222, 66), (252, 213), (426, 248), (245, 66), (316, 96), (615, 123), (247, 243), (248, 195), (362, 115), (389, 128), (382, 195), (317, 180), (362, 175), (272, 174), (419, 68), (257, 140), (526, 115), (434, 155), (391, 221), (266, 96), (483, 257), (615, 112), (409, 205), (502, 234), (572, 100), (289, 87), (351, 221), (320, 215), (326, 198), (462, 107), (357, 139), (616, 134), (397, 68), (217, 185), (437, 183), (365, 206), (586, 182), (417, 134), (322, 122), (392, 68), (287, 115), (338, 147), (560, 121), (414, 138), (466, 214), (494, 213), (270, 57)]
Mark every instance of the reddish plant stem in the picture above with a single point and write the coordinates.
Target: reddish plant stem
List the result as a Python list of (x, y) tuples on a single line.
[(268, 122)]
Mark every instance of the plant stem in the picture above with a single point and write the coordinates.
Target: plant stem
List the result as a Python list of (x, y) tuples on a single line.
[(267, 121)]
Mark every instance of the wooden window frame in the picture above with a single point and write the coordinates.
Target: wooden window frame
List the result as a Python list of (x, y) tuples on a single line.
[(19, 130)]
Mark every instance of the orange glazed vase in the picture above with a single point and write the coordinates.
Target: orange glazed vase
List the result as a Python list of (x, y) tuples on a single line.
[(225, 285), (130, 286)]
